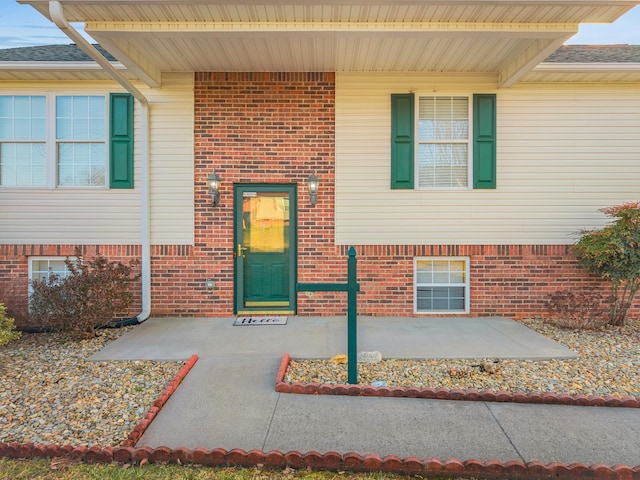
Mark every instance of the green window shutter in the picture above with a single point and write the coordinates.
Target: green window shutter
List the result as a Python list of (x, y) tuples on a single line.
[(402, 141), (120, 140), (484, 141)]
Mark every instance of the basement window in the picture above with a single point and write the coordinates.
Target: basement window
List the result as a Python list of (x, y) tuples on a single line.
[(441, 285), (41, 268)]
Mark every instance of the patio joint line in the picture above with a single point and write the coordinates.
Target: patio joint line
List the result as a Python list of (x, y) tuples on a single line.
[(273, 414), (504, 432)]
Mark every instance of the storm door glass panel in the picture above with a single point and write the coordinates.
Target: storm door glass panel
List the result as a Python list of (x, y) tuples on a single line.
[(22, 141), (265, 246), (266, 222)]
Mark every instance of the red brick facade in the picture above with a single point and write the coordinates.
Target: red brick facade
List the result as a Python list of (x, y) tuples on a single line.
[(279, 128)]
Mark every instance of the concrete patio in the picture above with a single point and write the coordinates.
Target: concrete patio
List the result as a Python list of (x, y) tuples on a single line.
[(228, 400)]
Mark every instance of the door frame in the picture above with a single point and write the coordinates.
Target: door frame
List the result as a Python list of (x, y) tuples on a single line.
[(238, 293)]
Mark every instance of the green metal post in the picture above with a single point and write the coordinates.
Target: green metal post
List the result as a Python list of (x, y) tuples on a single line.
[(352, 316)]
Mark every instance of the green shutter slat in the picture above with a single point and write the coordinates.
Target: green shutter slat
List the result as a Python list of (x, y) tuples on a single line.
[(484, 141), (402, 140), (120, 140)]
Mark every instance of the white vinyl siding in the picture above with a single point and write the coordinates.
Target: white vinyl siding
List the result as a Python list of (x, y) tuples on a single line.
[(563, 152), (172, 164), (104, 216)]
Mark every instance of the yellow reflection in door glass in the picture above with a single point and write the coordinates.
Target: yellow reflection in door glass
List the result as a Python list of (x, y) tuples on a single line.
[(266, 222)]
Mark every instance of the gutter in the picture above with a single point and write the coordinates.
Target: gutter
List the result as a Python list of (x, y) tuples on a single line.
[(57, 15)]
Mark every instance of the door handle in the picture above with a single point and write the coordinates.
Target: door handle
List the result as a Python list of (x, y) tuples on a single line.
[(241, 250)]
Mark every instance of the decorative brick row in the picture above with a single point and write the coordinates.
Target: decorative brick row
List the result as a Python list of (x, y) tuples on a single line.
[(142, 426), (330, 461), (446, 394)]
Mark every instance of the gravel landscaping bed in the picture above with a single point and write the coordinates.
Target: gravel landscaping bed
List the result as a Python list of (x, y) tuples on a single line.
[(51, 394), (609, 364)]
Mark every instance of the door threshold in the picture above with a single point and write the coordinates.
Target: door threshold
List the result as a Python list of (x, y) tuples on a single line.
[(265, 312)]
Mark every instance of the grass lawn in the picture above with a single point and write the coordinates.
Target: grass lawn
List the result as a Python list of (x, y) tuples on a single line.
[(49, 470)]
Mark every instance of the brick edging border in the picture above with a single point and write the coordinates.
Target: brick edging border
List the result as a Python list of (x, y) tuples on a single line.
[(142, 426), (446, 394), (330, 461)]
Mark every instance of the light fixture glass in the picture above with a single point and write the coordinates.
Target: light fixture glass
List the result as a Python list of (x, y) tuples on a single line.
[(213, 185), (313, 184)]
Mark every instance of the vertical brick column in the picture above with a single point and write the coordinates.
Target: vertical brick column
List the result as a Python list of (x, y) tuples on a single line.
[(267, 128)]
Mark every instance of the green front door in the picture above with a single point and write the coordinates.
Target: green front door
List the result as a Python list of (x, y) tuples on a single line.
[(265, 248)]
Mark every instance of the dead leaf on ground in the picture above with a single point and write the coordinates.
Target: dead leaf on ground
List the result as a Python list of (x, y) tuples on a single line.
[(341, 358), (62, 463)]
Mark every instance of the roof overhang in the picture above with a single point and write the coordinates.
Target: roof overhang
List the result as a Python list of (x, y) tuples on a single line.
[(507, 38)]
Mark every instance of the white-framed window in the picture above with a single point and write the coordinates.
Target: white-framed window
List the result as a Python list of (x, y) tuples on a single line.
[(40, 268), (53, 141), (443, 142), (441, 285)]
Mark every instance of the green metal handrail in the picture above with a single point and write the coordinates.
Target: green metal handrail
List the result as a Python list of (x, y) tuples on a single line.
[(352, 287)]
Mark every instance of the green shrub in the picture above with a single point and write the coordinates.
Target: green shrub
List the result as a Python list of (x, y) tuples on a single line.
[(613, 252), (92, 295), (7, 329)]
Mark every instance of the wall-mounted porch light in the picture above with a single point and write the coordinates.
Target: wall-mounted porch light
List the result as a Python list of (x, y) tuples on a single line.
[(213, 184), (313, 184)]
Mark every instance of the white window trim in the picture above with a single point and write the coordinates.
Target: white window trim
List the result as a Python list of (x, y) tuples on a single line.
[(466, 285), (417, 144), (43, 258), (51, 142)]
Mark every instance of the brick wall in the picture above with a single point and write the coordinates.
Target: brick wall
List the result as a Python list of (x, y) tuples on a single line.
[(506, 280), (266, 128)]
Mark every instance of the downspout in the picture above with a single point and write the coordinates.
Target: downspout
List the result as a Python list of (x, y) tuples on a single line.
[(57, 15)]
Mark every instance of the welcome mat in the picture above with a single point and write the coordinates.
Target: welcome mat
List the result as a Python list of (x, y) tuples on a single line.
[(260, 320)]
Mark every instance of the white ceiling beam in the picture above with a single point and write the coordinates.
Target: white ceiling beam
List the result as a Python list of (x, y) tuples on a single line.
[(524, 30)]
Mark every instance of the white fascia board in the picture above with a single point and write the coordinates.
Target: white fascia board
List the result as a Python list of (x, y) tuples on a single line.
[(53, 66), (343, 2), (587, 67)]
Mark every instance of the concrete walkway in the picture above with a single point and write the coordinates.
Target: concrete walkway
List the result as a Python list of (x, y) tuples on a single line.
[(228, 400)]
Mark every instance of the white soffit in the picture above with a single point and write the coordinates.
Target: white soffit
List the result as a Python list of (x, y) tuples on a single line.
[(508, 38)]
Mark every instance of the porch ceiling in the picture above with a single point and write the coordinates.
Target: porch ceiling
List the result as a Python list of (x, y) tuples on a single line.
[(505, 37)]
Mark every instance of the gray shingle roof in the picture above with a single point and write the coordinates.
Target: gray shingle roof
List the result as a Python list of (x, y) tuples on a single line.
[(50, 53), (565, 54), (596, 54)]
